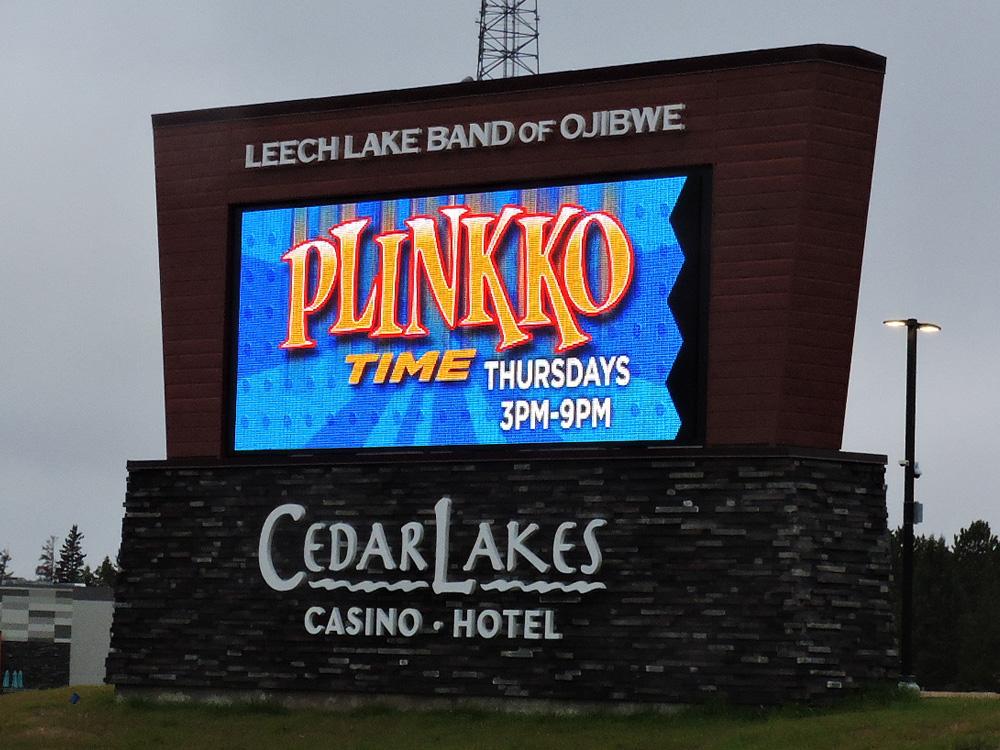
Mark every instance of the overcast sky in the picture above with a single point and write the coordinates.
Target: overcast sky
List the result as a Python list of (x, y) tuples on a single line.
[(81, 382)]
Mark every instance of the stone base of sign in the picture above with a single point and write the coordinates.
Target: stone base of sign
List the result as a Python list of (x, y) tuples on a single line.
[(756, 577)]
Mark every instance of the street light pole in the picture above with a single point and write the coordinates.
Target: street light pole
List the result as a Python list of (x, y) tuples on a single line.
[(906, 640), (913, 326)]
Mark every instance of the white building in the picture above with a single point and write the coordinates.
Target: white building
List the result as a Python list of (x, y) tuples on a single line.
[(55, 634)]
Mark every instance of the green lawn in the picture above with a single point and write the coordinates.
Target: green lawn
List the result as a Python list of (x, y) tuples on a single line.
[(46, 719)]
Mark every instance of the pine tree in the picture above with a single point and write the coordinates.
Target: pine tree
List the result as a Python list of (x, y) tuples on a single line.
[(956, 608), (106, 573), (5, 573), (977, 551), (46, 570), (69, 569), (935, 605)]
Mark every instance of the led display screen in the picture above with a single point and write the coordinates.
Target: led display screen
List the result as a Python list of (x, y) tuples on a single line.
[(554, 314)]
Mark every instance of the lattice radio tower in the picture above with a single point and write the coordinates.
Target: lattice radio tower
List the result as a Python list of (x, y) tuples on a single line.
[(508, 38)]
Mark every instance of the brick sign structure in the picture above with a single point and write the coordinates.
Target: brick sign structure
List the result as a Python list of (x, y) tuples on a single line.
[(515, 390)]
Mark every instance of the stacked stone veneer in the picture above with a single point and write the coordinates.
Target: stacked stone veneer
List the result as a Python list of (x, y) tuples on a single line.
[(44, 664), (761, 578)]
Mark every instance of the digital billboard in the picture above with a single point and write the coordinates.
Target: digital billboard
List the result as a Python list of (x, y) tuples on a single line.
[(531, 315)]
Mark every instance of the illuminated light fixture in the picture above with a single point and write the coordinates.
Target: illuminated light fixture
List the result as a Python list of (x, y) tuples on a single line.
[(910, 473), (922, 327)]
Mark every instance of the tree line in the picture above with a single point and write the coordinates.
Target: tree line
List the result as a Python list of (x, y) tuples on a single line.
[(65, 566), (956, 608)]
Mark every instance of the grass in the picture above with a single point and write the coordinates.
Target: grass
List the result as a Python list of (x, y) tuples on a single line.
[(46, 719)]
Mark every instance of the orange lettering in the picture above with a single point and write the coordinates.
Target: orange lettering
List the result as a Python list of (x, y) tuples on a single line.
[(407, 365), (427, 256), (540, 276), (484, 277), (389, 282), (348, 320), (298, 309), (553, 282), (620, 264)]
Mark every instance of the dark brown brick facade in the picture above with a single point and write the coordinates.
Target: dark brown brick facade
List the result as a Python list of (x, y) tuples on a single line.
[(789, 136)]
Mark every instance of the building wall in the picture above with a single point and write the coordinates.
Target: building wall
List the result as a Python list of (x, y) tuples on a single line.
[(36, 613), (91, 641), (56, 634), (44, 664)]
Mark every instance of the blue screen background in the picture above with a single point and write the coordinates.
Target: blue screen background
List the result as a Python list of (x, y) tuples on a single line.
[(301, 400)]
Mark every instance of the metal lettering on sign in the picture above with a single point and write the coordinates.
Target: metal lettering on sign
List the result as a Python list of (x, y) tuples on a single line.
[(345, 557), (663, 118)]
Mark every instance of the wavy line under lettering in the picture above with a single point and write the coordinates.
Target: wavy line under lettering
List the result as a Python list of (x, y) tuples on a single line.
[(542, 587), (368, 586)]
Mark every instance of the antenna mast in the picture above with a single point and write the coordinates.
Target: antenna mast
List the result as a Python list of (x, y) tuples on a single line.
[(508, 38)]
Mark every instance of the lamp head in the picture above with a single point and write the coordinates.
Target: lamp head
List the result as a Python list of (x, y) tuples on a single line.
[(912, 323)]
